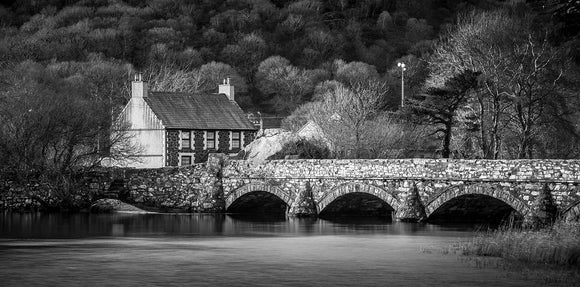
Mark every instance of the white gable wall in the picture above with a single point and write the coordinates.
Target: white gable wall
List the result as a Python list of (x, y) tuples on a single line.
[(147, 131)]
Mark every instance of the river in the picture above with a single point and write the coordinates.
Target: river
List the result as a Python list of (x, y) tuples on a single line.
[(39, 249)]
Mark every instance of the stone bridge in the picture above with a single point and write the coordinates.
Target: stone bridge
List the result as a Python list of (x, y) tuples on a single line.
[(405, 189), (410, 189)]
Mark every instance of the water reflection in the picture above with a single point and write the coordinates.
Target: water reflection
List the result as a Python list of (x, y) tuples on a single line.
[(57, 225), (118, 229), (224, 250)]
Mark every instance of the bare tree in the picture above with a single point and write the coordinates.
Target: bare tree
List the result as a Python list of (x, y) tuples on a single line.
[(534, 87), (389, 136), (54, 125), (478, 44), (345, 112), (169, 78), (345, 118), (519, 76)]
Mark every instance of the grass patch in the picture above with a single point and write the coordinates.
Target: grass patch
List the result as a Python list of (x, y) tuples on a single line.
[(555, 245), (550, 255)]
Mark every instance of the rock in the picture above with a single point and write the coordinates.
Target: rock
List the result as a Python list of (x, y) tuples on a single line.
[(267, 143), (108, 205)]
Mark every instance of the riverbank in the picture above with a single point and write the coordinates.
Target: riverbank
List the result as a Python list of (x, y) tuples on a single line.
[(552, 253)]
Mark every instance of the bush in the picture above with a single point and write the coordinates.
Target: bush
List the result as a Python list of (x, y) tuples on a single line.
[(305, 149)]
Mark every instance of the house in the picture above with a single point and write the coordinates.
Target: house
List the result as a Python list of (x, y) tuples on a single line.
[(175, 129)]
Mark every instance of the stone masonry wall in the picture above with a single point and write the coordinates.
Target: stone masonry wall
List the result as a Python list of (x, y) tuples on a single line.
[(183, 189), (516, 182), (35, 193), (172, 146), (480, 170), (200, 153), (308, 186), (224, 141)]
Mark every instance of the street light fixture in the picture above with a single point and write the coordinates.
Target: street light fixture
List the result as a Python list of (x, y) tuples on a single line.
[(403, 69)]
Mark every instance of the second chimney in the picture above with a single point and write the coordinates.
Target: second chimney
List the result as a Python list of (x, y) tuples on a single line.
[(227, 89)]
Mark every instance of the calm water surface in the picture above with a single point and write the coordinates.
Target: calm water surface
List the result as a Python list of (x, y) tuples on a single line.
[(219, 250)]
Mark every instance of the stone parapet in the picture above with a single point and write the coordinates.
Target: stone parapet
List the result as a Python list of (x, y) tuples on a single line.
[(544, 170)]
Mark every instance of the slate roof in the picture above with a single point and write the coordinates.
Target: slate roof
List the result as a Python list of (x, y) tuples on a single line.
[(198, 111)]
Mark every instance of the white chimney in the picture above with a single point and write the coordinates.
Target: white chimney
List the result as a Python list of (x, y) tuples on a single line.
[(227, 89), (139, 87)]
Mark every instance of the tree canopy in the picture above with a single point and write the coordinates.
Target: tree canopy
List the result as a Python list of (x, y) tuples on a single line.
[(171, 40), (305, 59)]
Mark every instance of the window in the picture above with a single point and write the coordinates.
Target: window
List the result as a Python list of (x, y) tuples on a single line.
[(185, 160), (236, 140), (185, 139), (210, 140)]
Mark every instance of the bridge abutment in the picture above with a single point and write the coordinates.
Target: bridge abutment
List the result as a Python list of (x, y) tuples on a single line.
[(303, 204), (412, 210), (215, 202), (543, 210)]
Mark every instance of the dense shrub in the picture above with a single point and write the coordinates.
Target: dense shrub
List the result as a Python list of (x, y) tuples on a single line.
[(304, 149)]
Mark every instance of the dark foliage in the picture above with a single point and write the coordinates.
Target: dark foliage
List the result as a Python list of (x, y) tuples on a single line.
[(439, 106), (184, 35), (303, 149)]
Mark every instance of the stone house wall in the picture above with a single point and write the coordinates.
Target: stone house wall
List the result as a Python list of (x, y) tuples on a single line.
[(200, 154)]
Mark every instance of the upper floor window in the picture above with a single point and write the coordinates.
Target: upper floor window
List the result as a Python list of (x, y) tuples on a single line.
[(236, 140), (185, 160), (185, 139), (210, 140)]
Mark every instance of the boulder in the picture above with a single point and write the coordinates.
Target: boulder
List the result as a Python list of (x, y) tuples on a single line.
[(267, 143), (109, 205)]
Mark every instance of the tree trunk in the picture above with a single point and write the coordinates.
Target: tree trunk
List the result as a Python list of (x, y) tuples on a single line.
[(485, 145), (495, 130), (524, 143), (357, 144), (447, 141)]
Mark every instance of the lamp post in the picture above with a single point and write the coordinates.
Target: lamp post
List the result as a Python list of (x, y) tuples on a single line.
[(261, 121), (403, 69)]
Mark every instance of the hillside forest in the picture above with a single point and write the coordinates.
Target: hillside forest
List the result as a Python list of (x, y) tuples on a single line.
[(483, 78)]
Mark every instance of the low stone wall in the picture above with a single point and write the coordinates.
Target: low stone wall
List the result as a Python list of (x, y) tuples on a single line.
[(18, 198), (71, 192), (172, 189), (183, 189)]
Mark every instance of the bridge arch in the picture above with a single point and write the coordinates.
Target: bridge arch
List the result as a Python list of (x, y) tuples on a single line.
[(258, 186), (493, 191), (349, 188)]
